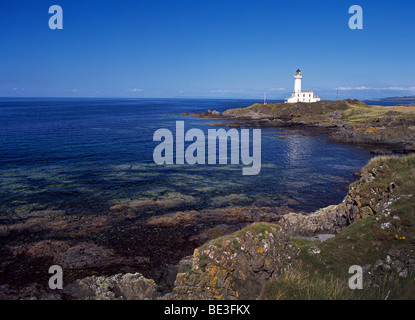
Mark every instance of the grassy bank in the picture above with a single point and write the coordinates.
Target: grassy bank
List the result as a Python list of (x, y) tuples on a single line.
[(347, 110), (391, 232)]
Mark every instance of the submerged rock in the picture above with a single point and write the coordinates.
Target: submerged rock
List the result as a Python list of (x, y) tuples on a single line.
[(80, 256), (215, 232), (44, 248), (33, 291), (221, 201), (221, 215), (168, 201), (119, 207)]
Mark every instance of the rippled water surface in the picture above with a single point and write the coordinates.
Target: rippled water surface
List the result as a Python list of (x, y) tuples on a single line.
[(85, 155)]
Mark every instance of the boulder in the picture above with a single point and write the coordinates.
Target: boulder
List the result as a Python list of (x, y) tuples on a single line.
[(235, 266), (117, 287)]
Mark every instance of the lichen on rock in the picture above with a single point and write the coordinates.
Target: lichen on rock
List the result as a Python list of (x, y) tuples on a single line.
[(117, 287), (235, 266)]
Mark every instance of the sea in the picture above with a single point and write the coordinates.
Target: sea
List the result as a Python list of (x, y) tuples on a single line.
[(86, 155)]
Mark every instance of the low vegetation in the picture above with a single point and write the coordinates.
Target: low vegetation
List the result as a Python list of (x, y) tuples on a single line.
[(348, 110), (324, 275)]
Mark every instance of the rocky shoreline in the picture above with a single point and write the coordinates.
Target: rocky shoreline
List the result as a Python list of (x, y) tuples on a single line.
[(381, 129), (240, 250), (236, 261)]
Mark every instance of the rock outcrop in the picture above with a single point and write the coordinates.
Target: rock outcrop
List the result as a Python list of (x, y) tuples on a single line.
[(400, 137), (347, 120), (235, 266), (168, 201), (117, 287), (356, 205)]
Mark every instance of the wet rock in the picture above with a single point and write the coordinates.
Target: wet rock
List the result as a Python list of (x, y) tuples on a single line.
[(215, 232), (168, 201), (175, 199), (85, 227), (30, 292), (174, 219), (44, 248), (226, 215), (89, 255), (43, 213), (141, 204), (229, 199), (80, 256), (4, 231), (61, 225), (379, 151), (85, 255), (119, 207)]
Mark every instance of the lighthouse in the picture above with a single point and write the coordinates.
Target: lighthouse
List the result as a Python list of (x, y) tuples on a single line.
[(297, 81), (299, 96)]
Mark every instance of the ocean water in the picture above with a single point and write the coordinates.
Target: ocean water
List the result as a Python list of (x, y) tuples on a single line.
[(85, 155)]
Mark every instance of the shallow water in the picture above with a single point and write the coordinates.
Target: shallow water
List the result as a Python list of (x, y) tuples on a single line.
[(85, 155)]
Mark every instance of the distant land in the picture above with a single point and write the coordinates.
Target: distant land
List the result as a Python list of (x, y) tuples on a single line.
[(392, 100), (389, 129)]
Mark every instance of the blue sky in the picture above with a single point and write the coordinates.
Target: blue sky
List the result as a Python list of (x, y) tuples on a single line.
[(206, 48)]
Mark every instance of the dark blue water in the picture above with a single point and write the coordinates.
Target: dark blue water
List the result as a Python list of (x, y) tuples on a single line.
[(85, 155), (391, 101)]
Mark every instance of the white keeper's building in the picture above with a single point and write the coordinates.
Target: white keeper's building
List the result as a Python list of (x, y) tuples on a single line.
[(298, 95)]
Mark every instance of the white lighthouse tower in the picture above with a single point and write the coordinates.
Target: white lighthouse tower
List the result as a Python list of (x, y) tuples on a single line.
[(297, 82), (298, 95)]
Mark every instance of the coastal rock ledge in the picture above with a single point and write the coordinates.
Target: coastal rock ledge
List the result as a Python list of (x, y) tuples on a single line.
[(373, 227), (235, 266), (117, 287), (360, 202)]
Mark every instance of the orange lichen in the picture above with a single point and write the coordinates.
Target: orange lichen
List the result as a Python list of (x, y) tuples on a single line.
[(372, 130)]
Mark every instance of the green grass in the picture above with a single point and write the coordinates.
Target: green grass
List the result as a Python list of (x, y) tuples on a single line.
[(360, 113), (299, 284), (325, 275), (351, 110), (359, 244)]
